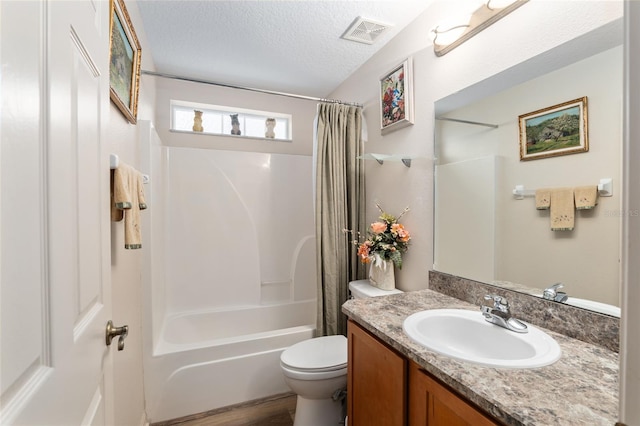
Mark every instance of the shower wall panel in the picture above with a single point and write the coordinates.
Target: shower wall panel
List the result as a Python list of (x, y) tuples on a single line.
[(239, 227)]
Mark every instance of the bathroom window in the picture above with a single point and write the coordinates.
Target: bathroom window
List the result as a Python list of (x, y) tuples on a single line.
[(220, 120)]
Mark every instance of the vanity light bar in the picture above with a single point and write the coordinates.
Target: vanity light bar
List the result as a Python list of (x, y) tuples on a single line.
[(605, 189)]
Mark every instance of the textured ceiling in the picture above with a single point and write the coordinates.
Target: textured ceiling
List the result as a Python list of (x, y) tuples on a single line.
[(282, 45)]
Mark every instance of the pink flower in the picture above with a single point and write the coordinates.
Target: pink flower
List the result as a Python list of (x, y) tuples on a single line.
[(378, 227), (363, 252), (403, 234)]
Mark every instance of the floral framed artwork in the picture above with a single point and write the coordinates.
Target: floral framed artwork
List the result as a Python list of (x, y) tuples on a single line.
[(124, 63), (396, 97), (557, 130)]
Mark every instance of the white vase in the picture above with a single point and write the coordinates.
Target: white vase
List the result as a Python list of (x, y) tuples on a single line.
[(382, 276)]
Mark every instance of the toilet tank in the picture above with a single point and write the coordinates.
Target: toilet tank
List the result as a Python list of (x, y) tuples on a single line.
[(361, 289)]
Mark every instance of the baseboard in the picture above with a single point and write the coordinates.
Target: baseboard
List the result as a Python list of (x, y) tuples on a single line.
[(209, 413)]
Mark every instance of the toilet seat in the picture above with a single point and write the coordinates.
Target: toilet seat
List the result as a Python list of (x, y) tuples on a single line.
[(316, 359)]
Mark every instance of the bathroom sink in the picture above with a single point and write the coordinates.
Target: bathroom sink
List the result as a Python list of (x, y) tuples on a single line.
[(467, 336)]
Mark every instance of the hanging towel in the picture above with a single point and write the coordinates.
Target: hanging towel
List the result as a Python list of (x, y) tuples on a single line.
[(586, 197), (562, 209), (543, 199), (128, 198)]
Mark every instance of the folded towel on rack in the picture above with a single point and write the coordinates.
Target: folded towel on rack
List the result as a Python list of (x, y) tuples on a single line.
[(127, 200), (562, 209), (543, 198), (586, 197)]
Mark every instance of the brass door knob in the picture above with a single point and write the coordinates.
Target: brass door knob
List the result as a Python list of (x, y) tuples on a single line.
[(113, 331)]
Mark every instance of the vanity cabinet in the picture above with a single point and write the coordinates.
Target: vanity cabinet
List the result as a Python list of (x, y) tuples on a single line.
[(384, 388), (376, 386), (432, 404)]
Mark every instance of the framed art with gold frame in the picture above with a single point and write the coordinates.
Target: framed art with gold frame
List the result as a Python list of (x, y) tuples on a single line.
[(124, 61), (557, 130)]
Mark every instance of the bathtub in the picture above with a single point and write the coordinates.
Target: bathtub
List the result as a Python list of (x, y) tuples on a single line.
[(211, 359)]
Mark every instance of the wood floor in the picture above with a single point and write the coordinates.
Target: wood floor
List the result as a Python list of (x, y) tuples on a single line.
[(278, 410)]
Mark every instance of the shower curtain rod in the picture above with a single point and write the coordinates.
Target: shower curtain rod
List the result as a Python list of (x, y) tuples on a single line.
[(231, 86)]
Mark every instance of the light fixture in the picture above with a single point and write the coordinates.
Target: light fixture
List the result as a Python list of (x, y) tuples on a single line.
[(449, 31), (447, 37)]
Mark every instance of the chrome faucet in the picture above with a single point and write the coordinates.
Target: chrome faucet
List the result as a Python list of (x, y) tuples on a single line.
[(498, 313), (552, 293)]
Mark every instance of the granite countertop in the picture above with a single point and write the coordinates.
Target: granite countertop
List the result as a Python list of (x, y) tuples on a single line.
[(581, 388)]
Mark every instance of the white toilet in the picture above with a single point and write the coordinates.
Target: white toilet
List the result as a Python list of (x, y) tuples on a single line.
[(316, 370)]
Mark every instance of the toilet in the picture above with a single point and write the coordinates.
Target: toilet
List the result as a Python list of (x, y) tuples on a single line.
[(316, 370)]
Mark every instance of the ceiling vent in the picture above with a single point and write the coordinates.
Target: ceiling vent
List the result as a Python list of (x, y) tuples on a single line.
[(365, 30)]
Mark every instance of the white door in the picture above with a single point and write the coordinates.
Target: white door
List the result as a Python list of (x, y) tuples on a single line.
[(54, 214)]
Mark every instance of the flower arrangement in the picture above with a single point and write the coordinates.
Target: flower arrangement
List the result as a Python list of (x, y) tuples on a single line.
[(386, 240)]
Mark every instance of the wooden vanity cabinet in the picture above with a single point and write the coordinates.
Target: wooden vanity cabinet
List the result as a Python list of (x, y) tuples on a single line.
[(386, 389), (376, 384), (432, 404)]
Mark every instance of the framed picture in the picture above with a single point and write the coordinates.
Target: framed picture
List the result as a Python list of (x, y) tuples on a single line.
[(396, 97), (124, 64), (558, 130)]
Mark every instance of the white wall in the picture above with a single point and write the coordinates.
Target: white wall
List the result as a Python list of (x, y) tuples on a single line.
[(126, 265), (586, 259), (533, 29)]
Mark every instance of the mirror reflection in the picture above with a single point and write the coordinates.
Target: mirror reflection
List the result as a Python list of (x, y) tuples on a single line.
[(483, 232)]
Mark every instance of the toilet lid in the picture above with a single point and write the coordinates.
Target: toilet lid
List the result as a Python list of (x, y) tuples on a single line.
[(321, 353)]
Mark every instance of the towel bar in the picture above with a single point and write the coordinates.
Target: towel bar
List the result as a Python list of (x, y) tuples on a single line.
[(114, 162), (605, 189)]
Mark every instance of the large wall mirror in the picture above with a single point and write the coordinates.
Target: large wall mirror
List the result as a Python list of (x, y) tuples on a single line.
[(483, 232)]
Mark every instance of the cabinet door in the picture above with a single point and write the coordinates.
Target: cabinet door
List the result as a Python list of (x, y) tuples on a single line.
[(377, 381), (432, 404)]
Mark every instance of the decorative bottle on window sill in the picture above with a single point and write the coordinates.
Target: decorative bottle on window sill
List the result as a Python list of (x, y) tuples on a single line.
[(235, 125), (269, 125), (197, 121)]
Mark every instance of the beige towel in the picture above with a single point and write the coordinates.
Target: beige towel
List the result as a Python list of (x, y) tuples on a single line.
[(128, 198), (586, 197), (543, 199), (562, 209)]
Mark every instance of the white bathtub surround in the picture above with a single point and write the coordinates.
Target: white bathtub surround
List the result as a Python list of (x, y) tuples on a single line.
[(193, 372), (230, 275)]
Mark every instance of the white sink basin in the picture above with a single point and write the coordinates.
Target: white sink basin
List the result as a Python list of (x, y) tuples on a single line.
[(467, 336)]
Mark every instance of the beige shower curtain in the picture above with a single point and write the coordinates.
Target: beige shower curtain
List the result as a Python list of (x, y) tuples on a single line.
[(340, 204)]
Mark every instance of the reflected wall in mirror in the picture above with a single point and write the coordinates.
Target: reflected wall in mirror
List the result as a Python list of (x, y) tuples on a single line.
[(483, 232)]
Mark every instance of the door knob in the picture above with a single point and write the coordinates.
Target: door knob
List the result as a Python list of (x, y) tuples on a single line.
[(112, 332)]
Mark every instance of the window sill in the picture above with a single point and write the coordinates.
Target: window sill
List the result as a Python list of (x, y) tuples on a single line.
[(229, 136)]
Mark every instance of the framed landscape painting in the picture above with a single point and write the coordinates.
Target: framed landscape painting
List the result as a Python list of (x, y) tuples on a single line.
[(396, 97), (124, 63), (557, 130)]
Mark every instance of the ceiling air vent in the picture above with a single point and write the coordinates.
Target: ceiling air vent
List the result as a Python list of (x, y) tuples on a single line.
[(365, 30)]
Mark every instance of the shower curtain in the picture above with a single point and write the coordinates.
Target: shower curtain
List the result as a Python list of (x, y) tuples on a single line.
[(340, 205)]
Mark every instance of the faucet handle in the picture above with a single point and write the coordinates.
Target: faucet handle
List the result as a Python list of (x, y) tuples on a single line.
[(551, 291), (499, 302), (557, 286)]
